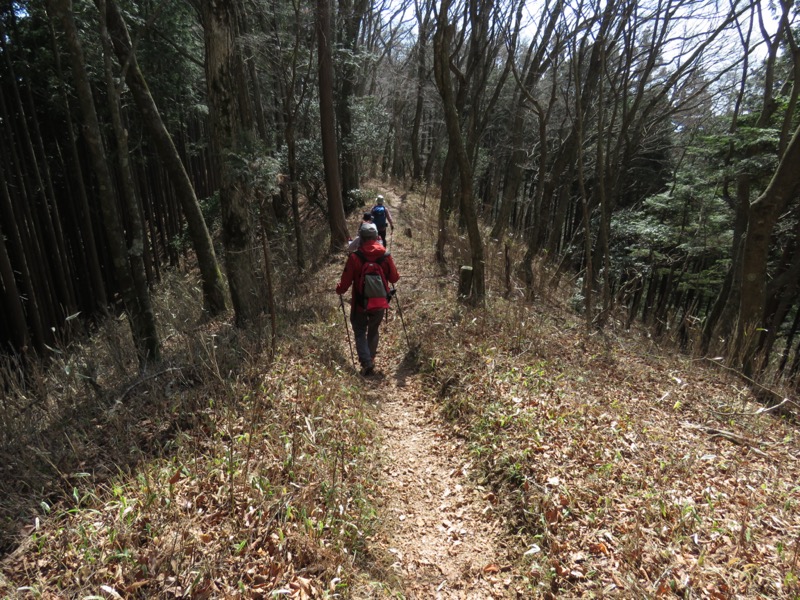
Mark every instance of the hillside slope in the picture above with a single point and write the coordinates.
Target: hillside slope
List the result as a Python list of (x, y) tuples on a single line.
[(499, 453)]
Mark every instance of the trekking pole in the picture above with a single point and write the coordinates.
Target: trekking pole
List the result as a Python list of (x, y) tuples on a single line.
[(347, 330), (391, 239), (400, 312)]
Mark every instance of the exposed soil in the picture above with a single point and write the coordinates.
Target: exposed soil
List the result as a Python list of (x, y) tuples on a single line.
[(437, 525)]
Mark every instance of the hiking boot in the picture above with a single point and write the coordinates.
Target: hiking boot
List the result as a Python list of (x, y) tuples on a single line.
[(368, 370)]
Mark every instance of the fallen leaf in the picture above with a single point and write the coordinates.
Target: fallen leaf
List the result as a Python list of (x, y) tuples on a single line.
[(175, 477), (534, 549), (109, 590), (576, 574), (599, 548)]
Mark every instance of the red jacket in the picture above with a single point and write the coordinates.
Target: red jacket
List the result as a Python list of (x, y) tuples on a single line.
[(372, 250)]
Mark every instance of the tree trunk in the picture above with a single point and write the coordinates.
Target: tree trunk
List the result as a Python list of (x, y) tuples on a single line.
[(330, 154), (764, 213), (604, 234), (445, 204), (351, 12), (232, 133), (427, 173), (210, 273), (423, 14), (513, 177), (467, 205), (722, 316), (292, 159)]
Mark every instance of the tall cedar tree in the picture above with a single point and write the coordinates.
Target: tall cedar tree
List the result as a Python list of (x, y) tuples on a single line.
[(232, 129), (142, 319), (327, 116)]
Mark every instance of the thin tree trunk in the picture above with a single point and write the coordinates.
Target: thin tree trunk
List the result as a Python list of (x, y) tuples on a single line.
[(467, 205), (210, 273), (291, 146), (142, 325), (445, 203), (351, 13), (422, 42)]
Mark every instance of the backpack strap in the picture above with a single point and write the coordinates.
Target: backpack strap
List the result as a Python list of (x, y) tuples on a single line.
[(364, 259)]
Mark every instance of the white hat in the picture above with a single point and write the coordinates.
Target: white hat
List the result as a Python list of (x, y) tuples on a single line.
[(379, 199)]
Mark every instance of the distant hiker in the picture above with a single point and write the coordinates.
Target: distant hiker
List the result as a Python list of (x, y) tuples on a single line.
[(370, 270), (354, 244), (380, 216)]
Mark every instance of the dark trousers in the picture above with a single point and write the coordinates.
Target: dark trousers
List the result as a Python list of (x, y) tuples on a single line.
[(366, 327), (382, 235)]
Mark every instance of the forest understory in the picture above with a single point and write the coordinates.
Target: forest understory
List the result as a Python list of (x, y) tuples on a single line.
[(503, 452)]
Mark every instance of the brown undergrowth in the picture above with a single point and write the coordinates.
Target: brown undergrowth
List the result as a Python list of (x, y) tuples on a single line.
[(225, 471), (627, 469), (621, 469)]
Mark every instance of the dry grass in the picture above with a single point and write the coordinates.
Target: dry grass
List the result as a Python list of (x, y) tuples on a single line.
[(217, 473), (622, 469)]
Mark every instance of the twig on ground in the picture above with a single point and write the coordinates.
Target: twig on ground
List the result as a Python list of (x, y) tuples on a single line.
[(143, 379), (728, 435), (761, 410)]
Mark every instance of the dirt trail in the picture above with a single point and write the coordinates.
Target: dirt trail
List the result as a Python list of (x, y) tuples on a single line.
[(437, 524), (439, 527)]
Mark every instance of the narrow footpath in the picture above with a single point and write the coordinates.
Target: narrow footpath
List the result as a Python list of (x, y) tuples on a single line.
[(438, 526)]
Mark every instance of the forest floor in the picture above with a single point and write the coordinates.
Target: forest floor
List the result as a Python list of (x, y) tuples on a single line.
[(629, 471), (498, 453), (436, 524)]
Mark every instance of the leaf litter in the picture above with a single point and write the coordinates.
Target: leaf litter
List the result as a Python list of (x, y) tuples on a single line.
[(508, 454)]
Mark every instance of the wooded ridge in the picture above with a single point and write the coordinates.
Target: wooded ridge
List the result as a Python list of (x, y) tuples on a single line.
[(500, 452), (180, 178), (646, 149)]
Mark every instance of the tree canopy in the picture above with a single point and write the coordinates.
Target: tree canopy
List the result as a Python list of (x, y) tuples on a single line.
[(645, 148)]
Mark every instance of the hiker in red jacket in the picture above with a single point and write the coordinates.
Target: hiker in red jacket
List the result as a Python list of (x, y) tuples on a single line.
[(369, 270)]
